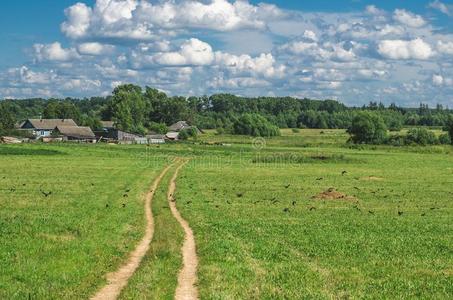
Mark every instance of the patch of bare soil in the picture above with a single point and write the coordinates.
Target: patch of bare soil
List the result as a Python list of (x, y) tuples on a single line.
[(333, 194), (372, 178), (187, 278), (118, 280)]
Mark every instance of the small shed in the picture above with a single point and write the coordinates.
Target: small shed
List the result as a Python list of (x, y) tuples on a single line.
[(156, 138), (76, 133)]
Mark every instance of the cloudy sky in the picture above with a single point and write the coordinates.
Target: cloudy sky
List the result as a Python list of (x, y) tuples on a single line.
[(355, 51)]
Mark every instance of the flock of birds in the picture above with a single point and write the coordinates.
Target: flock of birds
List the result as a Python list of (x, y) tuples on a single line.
[(273, 200)]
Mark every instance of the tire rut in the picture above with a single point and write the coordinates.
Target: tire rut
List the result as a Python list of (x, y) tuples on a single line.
[(118, 279), (187, 278)]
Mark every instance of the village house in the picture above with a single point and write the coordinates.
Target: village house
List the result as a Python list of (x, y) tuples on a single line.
[(45, 127)]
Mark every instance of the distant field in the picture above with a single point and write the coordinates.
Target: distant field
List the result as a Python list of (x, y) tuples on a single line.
[(259, 231)]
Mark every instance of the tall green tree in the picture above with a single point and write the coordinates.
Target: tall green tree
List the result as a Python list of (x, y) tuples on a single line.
[(128, 108), (368, 128), (7, 119)]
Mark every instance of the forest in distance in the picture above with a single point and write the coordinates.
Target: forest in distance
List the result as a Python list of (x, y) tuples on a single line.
[(141, 110)]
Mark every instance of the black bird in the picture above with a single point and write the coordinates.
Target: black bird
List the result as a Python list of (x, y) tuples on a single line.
[(128, 190), (46, 194), (24, 184), (356, 207), (256, 201), (400, 213), (124, 205), (423, 214), (357, 188), (344, 172), (239, 195), (312, 208), (106, 206), (320, 178), (286, 209), (228, 202), (371, 212), (188, 202), (125, 195), (287, 186), (13, 189), (294, 203)]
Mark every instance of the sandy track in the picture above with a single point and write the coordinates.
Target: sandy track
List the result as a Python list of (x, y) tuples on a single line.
[(118, 280), (187, 278)]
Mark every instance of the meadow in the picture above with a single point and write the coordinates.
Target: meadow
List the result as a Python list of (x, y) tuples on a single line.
[(265, 223)]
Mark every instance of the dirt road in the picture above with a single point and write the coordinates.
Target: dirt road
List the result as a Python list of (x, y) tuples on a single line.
[(187, 278), (118, 280)]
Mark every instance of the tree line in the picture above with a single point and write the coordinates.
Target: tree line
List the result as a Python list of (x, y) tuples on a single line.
[(142, 110)]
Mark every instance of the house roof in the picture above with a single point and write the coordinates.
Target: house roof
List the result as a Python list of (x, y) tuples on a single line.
[(49, 124), (178, 126), (76, 131), (172, 135), (107, 124)]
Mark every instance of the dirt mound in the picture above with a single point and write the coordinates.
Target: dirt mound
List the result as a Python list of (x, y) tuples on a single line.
[(372, 178), (332, 194)]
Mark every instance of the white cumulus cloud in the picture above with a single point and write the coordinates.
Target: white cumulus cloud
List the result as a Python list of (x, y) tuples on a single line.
[(54, 52), (94, 48), (192, 52), (401, 49), (407, 18)]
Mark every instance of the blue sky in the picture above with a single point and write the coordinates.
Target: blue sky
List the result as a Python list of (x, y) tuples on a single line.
[(355, 51)]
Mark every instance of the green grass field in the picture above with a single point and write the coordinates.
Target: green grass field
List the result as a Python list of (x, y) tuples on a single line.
[(260, 233)]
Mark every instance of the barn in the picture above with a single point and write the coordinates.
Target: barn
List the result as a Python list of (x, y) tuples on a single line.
[(75, 133)]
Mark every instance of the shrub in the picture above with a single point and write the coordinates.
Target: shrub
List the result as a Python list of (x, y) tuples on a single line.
[(396, 140), (445, 139), (421, 136), (449, 127), (160, 128), (368, 128), (254, 125), (188, 133)]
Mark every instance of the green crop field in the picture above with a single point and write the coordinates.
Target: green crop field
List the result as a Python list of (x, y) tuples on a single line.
[(303, 215)]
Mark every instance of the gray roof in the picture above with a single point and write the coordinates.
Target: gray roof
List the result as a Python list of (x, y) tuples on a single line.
[(76, 132), (48, 124), (178, 126)]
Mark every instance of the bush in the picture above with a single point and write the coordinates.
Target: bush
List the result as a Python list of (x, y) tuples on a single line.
[(445, 139), (368, 128), (188, 133), (160, 128), (449, 127), (421, 136), (254, 125)]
